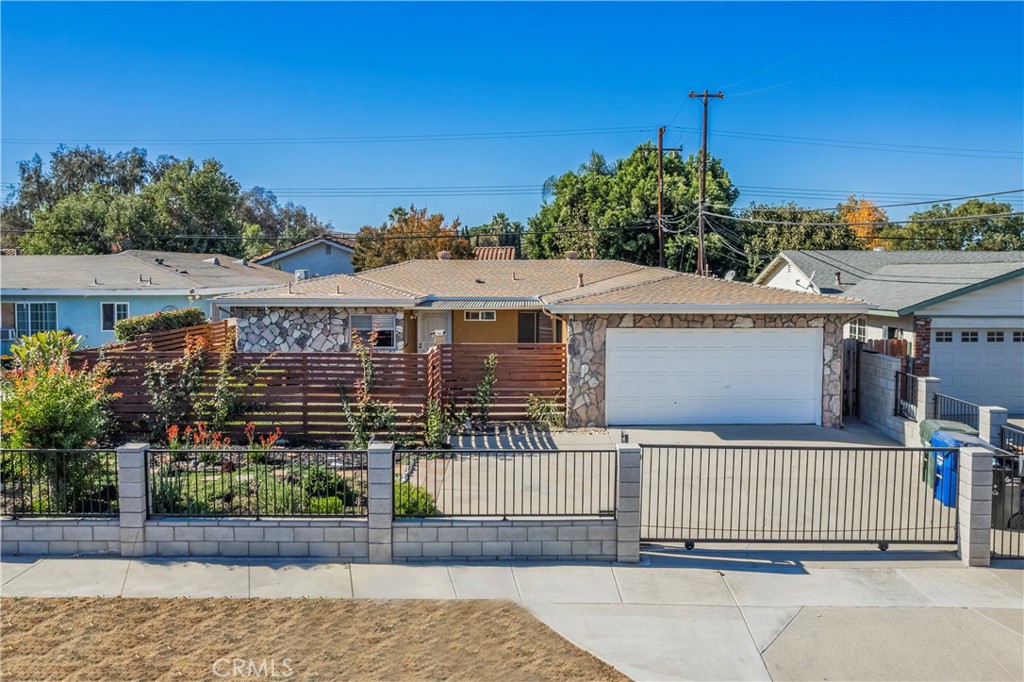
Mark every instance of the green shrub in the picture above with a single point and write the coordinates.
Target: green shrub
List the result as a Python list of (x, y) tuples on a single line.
[(366, 416), (328, 505), (127, 329), (484, 398), (322, 482), (412, 500), (545, 411), (437, 424), (45, 348)]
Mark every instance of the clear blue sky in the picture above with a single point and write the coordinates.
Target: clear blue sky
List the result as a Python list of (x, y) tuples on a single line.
[(182, 78)]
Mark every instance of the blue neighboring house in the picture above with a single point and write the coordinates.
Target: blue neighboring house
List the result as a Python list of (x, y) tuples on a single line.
[(88, 294), (329, 254)]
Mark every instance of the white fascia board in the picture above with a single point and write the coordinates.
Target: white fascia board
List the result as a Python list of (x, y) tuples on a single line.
[(315, 302), (773, 266), (721, 308), (131, 292)]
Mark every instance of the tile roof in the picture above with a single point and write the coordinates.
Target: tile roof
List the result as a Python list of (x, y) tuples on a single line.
[(900, 280), (494, 252), (123, 271)]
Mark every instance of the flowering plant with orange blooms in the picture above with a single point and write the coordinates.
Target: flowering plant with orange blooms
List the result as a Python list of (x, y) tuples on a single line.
[(45, 402)]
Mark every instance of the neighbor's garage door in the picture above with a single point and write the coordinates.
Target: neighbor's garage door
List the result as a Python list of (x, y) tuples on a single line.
[(981, 366), (714, 376)]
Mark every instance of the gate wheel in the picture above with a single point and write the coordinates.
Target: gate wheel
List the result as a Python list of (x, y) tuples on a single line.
[(883, 546), (689, 544)]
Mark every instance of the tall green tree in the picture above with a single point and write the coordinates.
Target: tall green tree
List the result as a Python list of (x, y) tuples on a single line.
[(500, 231), (75, 225), (986, 234), (764, 237), (609, 210)]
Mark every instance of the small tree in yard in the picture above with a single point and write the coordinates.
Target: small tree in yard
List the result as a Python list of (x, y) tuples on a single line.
[(367, 416), (484, 398)]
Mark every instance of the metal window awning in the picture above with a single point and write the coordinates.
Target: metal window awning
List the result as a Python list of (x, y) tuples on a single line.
[(481, 304)]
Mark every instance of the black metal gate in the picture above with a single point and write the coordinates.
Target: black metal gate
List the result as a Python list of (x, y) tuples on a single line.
[(696, 494)]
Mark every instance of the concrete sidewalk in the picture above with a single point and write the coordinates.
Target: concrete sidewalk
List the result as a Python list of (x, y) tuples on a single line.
[(701, 615)]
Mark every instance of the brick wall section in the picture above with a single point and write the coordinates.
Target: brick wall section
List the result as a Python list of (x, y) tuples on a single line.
[(60, 536), (922, 346), (567, 539), (341, 539)]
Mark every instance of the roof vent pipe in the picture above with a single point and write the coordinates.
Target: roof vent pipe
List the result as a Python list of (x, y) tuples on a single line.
[(444, 255), (572, 255), (839, 279), (579, 277)]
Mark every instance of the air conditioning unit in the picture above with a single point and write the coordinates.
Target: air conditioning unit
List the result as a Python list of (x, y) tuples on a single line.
[(8, 334), (301, 275)]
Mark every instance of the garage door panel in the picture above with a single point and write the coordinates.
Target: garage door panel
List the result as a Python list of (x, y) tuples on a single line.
[(681, 376), (983, 372)]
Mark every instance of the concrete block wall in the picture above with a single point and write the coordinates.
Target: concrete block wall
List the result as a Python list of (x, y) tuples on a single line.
[(73, 536), (876, 387), (341, 539), (974, 506), (570, 539)]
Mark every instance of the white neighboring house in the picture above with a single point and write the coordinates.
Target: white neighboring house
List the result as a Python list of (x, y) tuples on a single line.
[(329, 254), (961, 311)]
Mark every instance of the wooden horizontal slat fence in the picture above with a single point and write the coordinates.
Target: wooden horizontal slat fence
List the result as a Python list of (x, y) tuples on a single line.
[(300, 392), (215, 333), (522, 370), (896, 348)]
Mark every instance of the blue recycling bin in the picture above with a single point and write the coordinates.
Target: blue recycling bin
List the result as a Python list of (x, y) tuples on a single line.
[(946, 464)]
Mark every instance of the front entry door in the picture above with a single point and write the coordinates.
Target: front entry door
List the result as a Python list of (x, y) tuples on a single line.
[(429, 321)]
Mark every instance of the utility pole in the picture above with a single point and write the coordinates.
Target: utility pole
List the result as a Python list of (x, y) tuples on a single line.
[(661, 186), (701, 267)]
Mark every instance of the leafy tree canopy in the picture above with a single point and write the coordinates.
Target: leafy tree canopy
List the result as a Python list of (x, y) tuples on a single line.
[(499, 232), (609, 210), (984, 234), (89, 201), (408, 234)]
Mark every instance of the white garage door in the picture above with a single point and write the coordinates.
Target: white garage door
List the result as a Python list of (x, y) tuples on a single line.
[(980, 366), (714, 376)]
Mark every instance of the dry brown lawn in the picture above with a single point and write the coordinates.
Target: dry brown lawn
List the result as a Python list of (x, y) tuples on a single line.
[(296, 639)]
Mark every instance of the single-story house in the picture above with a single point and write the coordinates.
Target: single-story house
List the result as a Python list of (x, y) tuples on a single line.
[(961, 311), (88, 294), (328, 254), (644, 345)]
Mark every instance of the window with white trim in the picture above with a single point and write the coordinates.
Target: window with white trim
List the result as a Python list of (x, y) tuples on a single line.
[(30, 318), (479, 315), (994, 337), (385, 325), (859, 330), (1018, 337), (943, 337), (110, 313), (968, 337)]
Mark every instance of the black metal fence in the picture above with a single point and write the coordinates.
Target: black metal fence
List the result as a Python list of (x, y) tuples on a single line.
[(506, 483), (58, 483), (257, 483), (1011, 439), (1008, 505), (906, 396), (796, 494), (953, 409)]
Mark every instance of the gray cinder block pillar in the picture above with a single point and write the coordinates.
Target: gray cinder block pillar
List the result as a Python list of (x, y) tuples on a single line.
[(974, 537), (627, 507), (132, 506), (990, 421), (927, 387), (380, 500)]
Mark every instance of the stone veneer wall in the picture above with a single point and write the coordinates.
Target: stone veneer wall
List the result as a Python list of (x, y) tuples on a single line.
[(299, 330), (586, 355)]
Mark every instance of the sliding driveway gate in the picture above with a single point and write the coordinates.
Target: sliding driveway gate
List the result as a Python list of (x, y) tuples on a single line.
[(693, 494)]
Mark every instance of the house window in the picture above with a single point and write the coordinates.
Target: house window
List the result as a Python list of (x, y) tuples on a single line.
[(385, 325), (859, 330), (969, 337), (35, 317), (528, 327), (943, 337), (110, 313), (478, 315), (1018, 337), (893, 333), (994, 337)]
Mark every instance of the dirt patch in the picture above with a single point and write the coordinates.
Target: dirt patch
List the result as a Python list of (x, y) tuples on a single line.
[(322, 639)]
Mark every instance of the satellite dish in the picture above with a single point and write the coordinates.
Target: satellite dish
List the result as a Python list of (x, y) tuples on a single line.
[(730, 276)]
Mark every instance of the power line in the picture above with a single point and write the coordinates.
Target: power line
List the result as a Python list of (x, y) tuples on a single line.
[(873, 222)]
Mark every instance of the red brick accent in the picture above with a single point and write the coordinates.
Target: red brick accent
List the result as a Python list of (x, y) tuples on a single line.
[(922, 346)]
